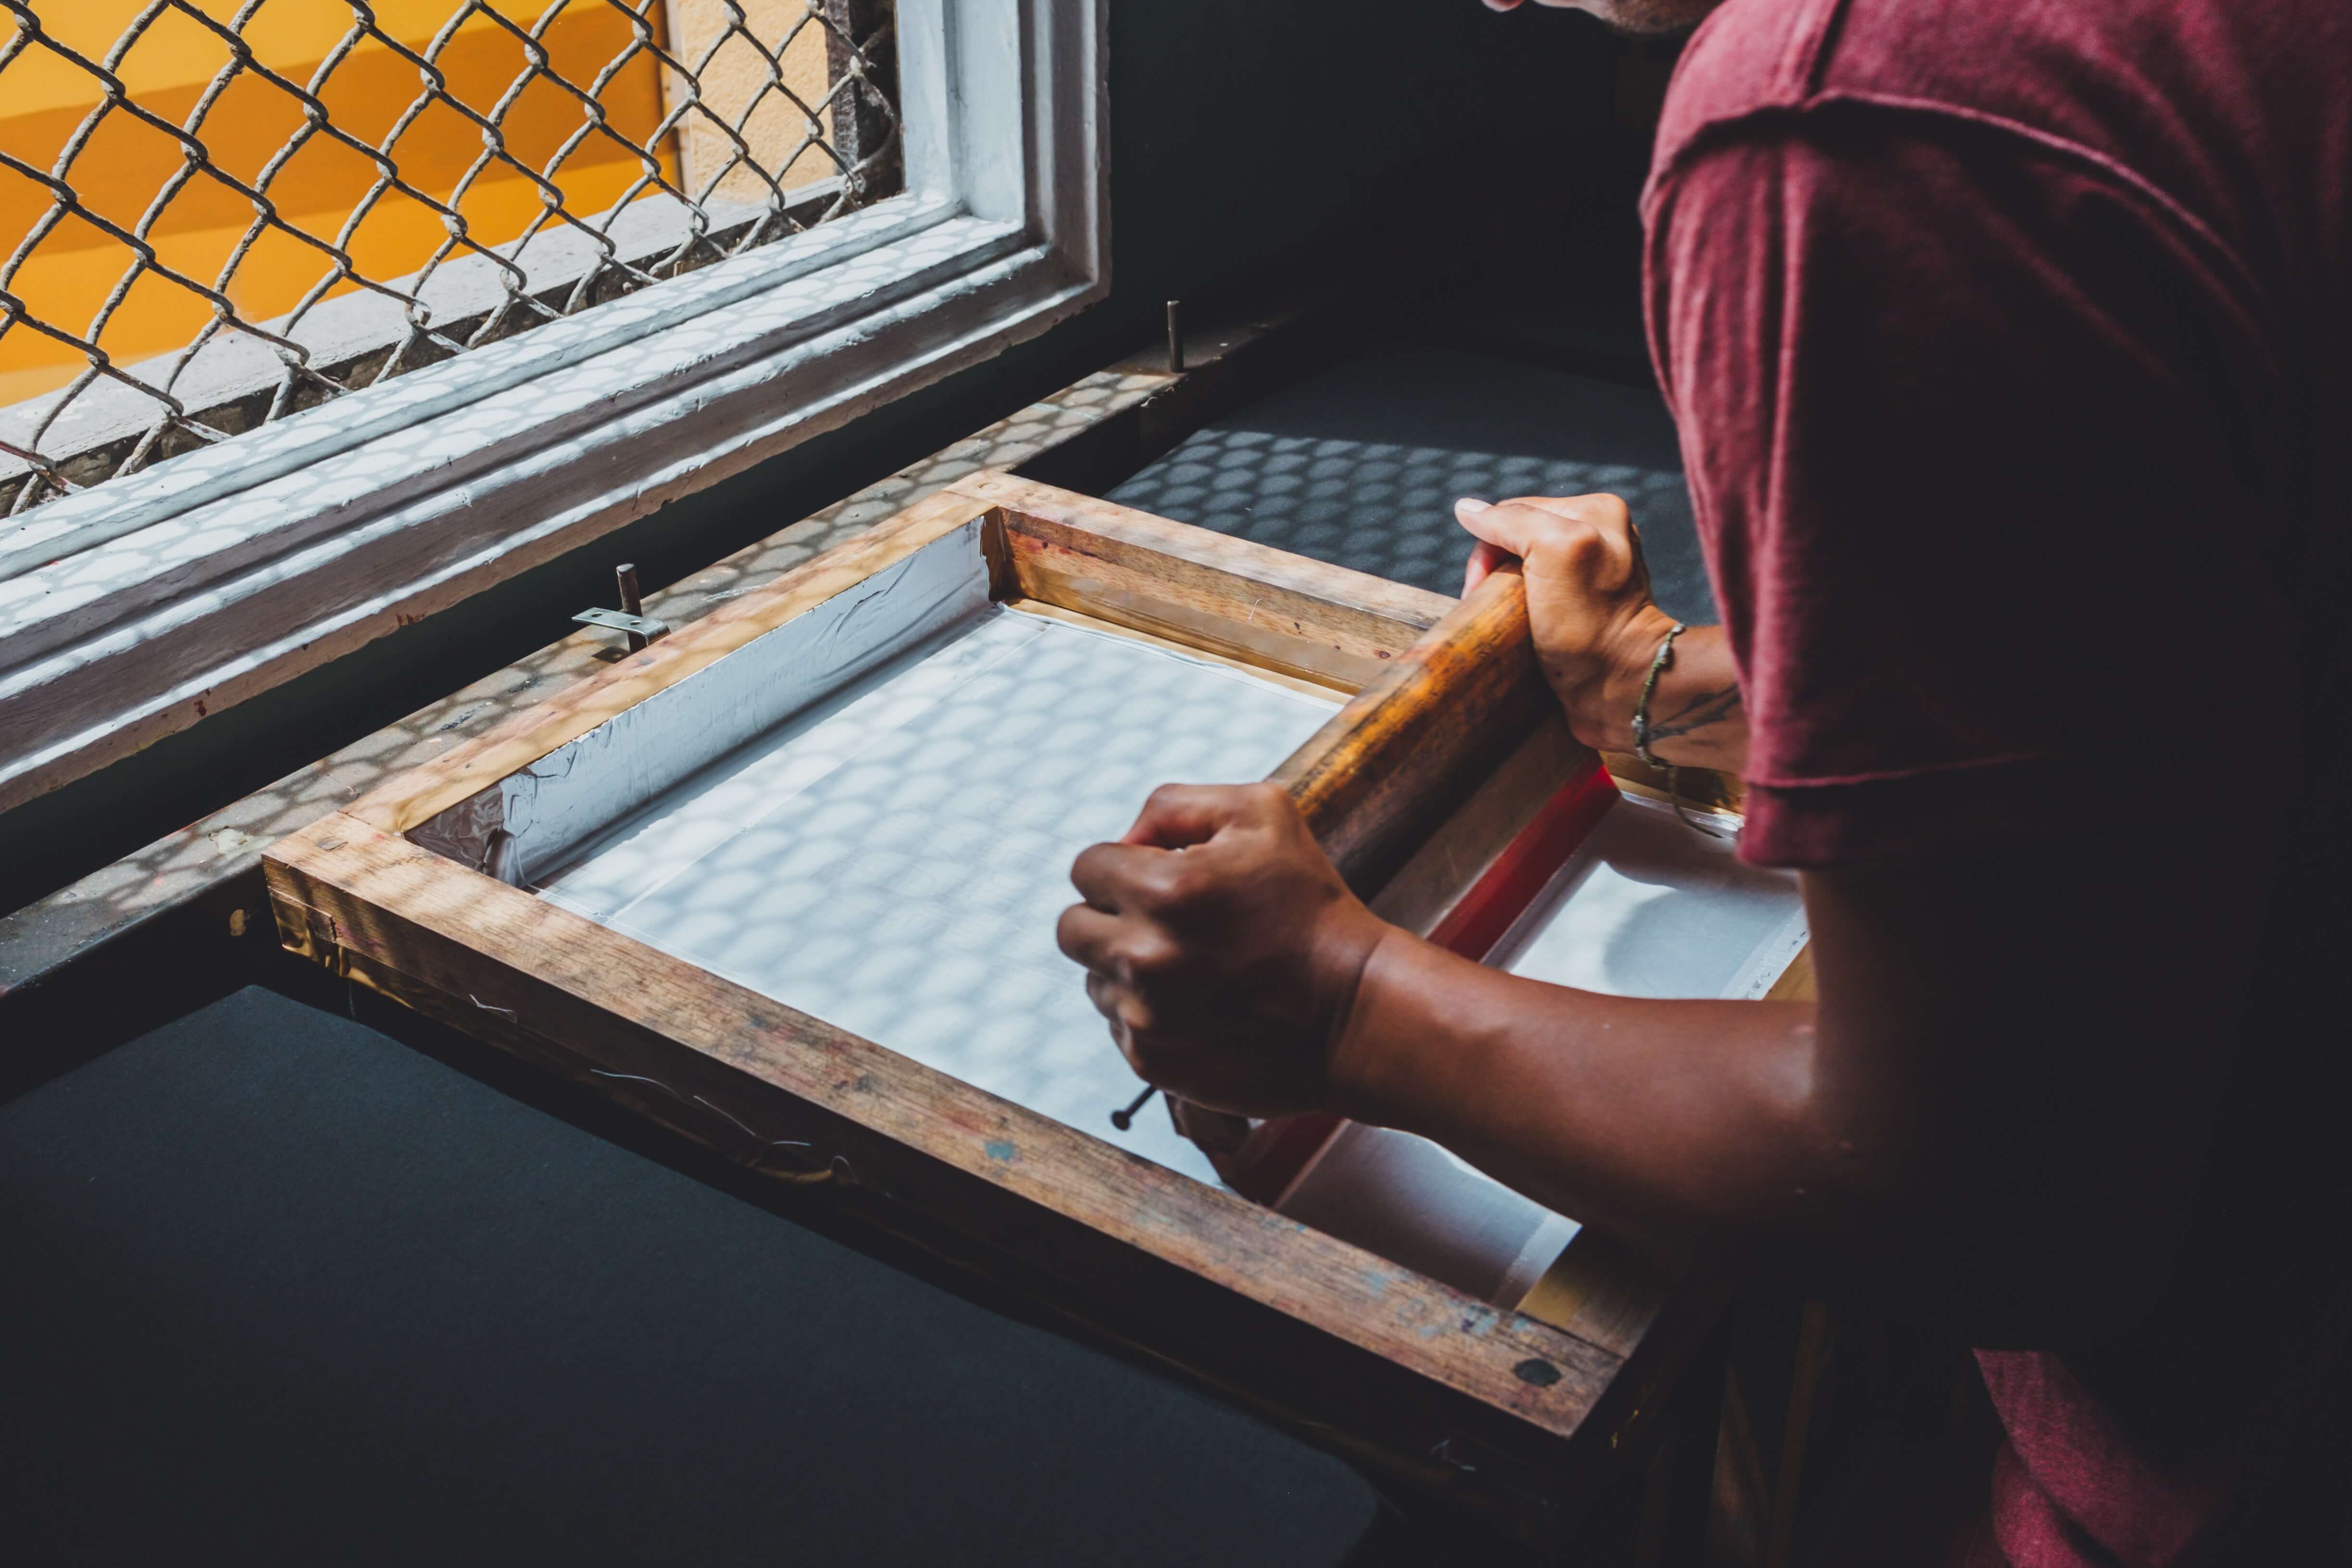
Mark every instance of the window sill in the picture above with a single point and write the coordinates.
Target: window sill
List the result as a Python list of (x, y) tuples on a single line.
[(221, 574)]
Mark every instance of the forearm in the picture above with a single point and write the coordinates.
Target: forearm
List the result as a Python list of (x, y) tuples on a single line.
[(1993, 1116), (1677, 1122), (1696, 720), (1983, 1121)]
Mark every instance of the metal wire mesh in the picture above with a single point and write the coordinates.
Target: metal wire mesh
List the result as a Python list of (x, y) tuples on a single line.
[(236, 209)]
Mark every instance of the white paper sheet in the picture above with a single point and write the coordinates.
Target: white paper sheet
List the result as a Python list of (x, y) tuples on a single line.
[(1416, 1203), (894, 860), (1646, 906)]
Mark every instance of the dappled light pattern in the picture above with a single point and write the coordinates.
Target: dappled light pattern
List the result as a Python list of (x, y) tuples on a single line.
[(1381, 509), (894, 860), (1361, 466)]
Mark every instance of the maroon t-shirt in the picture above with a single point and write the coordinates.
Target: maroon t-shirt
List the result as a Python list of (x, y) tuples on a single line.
[(2011, 346)]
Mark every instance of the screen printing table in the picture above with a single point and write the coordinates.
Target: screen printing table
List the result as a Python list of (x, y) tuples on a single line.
[(784, 884), (139, 1161)]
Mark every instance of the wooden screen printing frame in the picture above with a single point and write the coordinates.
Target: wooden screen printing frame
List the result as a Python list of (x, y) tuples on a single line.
[(1431, 784)]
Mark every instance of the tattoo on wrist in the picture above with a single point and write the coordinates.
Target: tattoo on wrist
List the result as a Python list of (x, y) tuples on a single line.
[(1707, 707)]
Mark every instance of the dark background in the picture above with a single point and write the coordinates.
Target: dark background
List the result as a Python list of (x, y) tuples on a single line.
[(284, 1289)]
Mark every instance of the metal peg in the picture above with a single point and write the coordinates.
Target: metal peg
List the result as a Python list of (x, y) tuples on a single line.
[(1175, 337), (632, 602), (1123, 1119)]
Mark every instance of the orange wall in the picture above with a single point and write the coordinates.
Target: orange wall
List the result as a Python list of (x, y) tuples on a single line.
[(67, 278)]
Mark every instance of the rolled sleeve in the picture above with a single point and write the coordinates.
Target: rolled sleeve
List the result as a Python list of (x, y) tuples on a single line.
[(1968, 447)]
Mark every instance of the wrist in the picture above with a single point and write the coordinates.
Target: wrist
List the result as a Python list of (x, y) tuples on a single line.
[(1366, 1076), (1601, 705)]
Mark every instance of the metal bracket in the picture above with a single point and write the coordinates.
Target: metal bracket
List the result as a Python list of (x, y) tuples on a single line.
[(643, 629)]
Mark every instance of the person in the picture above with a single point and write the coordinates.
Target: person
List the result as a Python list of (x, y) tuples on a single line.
[(2011, 347)]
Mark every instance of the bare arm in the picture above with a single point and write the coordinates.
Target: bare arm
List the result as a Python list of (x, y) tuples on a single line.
[(1993, 1116)]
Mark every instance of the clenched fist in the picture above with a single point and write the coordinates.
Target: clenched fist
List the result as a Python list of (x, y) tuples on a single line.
[(1596, 628), (1223, 947), (1588, 598)]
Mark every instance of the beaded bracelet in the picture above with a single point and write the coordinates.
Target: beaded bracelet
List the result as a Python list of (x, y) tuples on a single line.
[(1658, 662)]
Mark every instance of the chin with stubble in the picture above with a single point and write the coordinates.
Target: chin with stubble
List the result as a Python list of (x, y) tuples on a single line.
[(1652, 17)]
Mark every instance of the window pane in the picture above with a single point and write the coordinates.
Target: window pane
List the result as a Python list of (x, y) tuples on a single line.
[(217, 213)]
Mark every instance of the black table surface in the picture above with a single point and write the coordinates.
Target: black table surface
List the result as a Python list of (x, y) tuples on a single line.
[(281, 1288)]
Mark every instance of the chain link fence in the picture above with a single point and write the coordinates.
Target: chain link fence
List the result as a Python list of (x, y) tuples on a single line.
[(220, 212)]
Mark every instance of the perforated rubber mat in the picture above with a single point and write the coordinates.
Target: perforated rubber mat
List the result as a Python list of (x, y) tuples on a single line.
[(1361, 466)]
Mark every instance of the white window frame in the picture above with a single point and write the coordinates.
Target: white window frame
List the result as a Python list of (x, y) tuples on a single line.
[(132, 610)]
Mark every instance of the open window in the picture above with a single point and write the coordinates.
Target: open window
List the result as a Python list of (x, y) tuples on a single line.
[(318, 318)]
